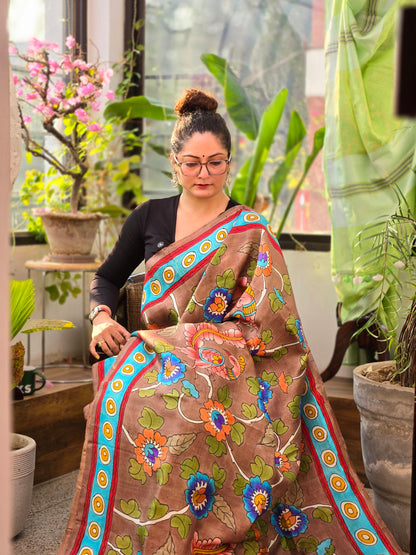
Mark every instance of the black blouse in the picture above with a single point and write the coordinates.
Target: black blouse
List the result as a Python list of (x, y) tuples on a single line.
[(150, 227)]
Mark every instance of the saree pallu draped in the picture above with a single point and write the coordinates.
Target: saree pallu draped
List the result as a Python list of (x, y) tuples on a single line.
[(211, 432)]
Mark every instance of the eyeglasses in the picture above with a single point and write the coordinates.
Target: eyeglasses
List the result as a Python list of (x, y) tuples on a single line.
[(214, 167)]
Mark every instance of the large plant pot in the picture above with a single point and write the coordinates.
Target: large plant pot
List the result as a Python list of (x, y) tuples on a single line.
[(23, 457), (386, 413), (71, 236)]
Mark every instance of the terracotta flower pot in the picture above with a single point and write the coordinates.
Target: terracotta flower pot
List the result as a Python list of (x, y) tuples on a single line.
[(71, 236)]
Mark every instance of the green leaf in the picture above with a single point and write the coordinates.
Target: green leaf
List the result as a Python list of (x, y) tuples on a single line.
[(162, 346), (142, 533), (305, 463), (291, 476), (216, 447), (189, 468), (52, 291), (125, 544), (219, 475), (136, 471), (279, 427), (162, 473), (269, 377), (152, 376), (237, 433), (291, 452), (45, 324), (249, 411), (239, 484), (139, 107), (294, 406), (224, 397), (251, 548), (182, 523), (171, 399), (157, 510), (254, 386), (261, 469), (145, 393), (216, 259), (239, 107), (227, 280), (130, 508), (323, 513), (150, 420)]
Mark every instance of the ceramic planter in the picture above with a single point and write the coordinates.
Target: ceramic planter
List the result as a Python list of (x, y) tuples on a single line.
[(386, 413), (71, 236), (23, 457)]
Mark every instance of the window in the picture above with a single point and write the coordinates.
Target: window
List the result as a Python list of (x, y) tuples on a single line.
[(270, 44), (45, 20)]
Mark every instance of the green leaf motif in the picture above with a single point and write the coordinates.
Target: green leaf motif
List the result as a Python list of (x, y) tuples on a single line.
[(323, 513), (142, 533), (179, 443), (125, 544), (291, 452), (305, 463), (189, 467), (144, 393), (275, 303), (151, 377), (291, 326), (252, 268), (216, 259), (269, 377), (162, 473), (136, 471), (287, 285), (294, 406), (130, 508), (223, 512), (254, 386), (150, 420), (249, 411), (216, 447), (261, 469), (173, 317), (251, 548), (308, 545), (279, 353), (219, 475), (162, 346), (224, 397), (288, 544), (182, 523), (261, 526), (266, 336), (291, 476), (237, 433), (279, 427), (303, 361), (157, 510), (227, 280), (171, 399), (239, 484), (191, 306)]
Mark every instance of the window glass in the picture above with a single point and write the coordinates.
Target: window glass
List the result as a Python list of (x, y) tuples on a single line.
[(270, 45), (44, 20)]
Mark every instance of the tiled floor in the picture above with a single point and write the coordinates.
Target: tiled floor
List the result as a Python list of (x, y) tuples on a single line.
[(46, 523)]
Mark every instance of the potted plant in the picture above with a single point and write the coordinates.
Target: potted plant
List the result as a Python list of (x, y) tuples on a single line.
[(23, 448), (384, 391), (87, 158)]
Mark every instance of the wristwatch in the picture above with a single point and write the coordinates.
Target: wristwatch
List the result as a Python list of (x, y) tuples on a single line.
[(96, 310)]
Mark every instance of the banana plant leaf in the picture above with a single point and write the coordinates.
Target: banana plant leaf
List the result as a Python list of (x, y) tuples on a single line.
[(139, 107), (237, 102), (245, 185), (45, 324), (22, 304)]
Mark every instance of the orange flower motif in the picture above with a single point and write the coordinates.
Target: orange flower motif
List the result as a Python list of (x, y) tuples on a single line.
[(283, 383), (218, 420), (282, 462), (256, 346), (150, 450), (264, 264)]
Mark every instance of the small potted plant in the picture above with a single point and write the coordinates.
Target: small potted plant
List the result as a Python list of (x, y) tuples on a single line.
[(87, 158), (384, 391)]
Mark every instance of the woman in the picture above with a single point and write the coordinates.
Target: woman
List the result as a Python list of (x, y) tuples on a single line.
[(210, 431)]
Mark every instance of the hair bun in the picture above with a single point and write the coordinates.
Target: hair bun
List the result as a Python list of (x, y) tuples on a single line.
[(194, 100)]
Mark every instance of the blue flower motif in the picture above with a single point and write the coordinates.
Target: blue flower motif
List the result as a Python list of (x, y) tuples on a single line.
[(257, 497), (300, 333), (192, 389), (172, 369), (216, 305), (200, 494), (264, 394), (289, 521)]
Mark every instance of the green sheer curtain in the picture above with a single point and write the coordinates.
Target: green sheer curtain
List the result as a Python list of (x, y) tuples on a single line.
[(368, 150)]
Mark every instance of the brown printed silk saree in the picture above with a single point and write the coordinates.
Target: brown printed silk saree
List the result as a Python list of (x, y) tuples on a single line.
[(211, 432)]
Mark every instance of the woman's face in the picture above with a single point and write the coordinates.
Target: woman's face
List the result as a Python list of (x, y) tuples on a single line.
[(201, 148)]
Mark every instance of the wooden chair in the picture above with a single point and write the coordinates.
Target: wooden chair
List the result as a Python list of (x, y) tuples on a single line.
[(129, 305)]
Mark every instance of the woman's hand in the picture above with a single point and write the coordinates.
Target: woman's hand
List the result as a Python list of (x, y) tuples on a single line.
[(107, 334)]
